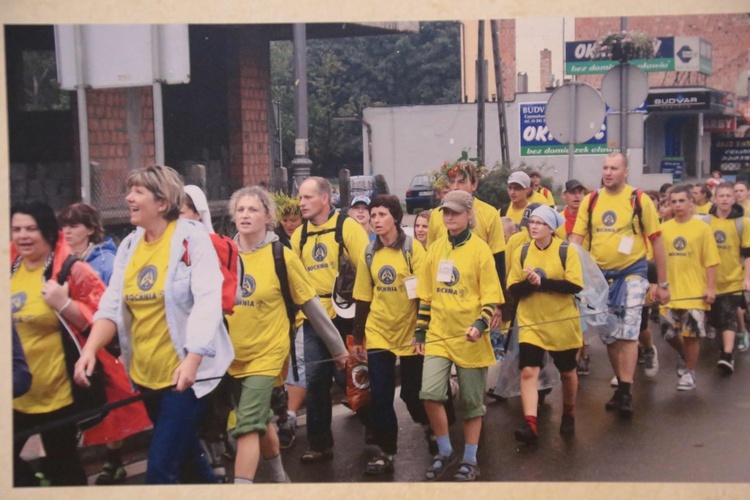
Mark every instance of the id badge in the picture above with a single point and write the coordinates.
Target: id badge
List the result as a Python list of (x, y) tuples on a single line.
[(410, 283), (445, 271), (626, 245)]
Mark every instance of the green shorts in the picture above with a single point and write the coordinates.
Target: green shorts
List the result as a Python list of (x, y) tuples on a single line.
[(252, 396), (472, 383)]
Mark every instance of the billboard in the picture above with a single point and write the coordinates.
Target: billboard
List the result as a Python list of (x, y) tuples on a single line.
[(536, 139)]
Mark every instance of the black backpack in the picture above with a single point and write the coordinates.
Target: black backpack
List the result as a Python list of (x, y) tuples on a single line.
[(291, 308)]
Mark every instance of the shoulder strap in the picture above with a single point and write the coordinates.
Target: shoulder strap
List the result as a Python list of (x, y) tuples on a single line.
[(635, 202), (303, 236), (369, 255), (64, 273), (739, 223), (564, 253), (280, 265), (524, 253), (407, 251), (338, 234)]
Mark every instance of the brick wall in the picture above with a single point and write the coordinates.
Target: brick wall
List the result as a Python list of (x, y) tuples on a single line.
[(508, 56), (249, 88), (545, 69), (729, 34)]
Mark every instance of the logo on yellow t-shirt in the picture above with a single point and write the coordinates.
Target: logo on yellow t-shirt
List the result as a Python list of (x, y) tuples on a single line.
[(679, 243), (541, 272), (248, 285), (17, 301), (319, 252), (387, 275), (720, 237), (455, 276), (609, 218), (147, 278)]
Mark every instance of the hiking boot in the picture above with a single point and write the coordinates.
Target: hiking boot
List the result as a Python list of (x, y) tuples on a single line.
[(568, 425), (651, 362), (526, 434), (111, 474), (584, 365), (687, 382), (287, 433), (614, 402), (626, 405), (726, 363)]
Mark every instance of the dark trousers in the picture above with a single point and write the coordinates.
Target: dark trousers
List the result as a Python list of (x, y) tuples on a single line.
[(61, 463), (382, 374), (175, 454)]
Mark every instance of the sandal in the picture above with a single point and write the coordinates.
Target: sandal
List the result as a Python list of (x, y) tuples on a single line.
[(380, 464), (440, 464), (467, 472), (314, 456)]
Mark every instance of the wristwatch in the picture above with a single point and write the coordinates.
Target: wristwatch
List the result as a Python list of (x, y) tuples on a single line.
[(664, 285)]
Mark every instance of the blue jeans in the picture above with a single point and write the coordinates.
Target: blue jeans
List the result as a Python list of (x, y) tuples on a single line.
[(175, 455), (319, 374)]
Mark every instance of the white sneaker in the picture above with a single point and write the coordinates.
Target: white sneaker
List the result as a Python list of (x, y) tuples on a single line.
[(681, 366), (614, 382), (743, 341), (651, 361), (687, 382)]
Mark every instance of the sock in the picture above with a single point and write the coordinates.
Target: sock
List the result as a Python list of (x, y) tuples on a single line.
[(242, 480), (114, 457), (277, 468), (624, 387), (444, 445), (568, 409), (470, 453), (291, 417), (531, 420)]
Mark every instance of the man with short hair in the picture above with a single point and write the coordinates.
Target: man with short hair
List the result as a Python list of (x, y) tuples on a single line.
[(518, 191), (319, 254), (692, 260), (732, 235), (539, 193), (618, 225)]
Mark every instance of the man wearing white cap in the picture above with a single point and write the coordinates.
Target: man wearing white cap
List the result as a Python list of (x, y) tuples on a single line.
[(542, 282), (518, 191)]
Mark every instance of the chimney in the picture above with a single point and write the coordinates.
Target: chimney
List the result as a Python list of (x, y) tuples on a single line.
[(545, 69)]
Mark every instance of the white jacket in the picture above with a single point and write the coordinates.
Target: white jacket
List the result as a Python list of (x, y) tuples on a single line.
[(192, 301)]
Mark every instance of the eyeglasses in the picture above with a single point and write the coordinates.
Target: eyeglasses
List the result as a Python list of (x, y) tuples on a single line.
[(537, 223)]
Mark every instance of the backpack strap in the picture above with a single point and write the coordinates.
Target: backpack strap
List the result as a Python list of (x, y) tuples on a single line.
[(592, 204), (281, 272), (303, 236), (739, 223), (524, 252), (338, 234), (407, 251), (563, 252), (369, 255), (64, 273)]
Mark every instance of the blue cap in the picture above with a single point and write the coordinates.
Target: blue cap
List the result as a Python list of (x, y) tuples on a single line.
[(360, 199)]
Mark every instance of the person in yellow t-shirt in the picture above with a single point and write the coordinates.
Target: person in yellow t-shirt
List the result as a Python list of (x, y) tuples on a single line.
[(458, 291), (742, 195), (260, 330), (386, 314), (539, 193), (618, 247), (702, 194), (318, 250), (541, 283), (692, 262), (732, 234), (518, 191)]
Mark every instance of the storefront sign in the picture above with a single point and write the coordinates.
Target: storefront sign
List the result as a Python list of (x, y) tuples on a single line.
[(733, 150), (720, 124), (679, 101), (580, 58), (536, 139), (674, 165)]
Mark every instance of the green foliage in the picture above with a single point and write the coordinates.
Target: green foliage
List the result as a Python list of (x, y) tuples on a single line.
[(346, 75)]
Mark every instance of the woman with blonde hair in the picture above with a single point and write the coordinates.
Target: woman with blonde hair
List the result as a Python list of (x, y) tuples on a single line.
[(421, 223), (164, 303)]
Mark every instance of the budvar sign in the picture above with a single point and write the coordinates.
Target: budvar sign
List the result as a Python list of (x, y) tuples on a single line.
[(692, 54), (536, 139)]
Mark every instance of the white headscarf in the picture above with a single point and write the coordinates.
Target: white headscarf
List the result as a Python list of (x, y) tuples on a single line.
[(201, 205)]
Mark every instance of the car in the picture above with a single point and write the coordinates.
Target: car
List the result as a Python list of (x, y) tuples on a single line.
[(420, 194)]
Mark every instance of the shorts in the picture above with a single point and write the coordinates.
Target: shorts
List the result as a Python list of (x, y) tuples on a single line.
[(533, 356), (472, 383), (299, 347), (628, 325), (723, 313), (252, 396), (690, 323)]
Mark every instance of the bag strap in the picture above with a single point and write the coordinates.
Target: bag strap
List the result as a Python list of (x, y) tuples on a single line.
[(562, 251), (739, 223), (281, 272), (406, 251), (338, 234)]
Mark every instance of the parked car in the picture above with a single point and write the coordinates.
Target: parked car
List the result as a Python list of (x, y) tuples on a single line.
[(420, 194)]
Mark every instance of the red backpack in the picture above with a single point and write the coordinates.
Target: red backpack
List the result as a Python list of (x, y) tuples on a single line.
[(228, 252)]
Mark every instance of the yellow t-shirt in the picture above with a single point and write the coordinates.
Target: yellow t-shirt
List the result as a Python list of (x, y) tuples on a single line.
[(41, 338), (746, 208), (730, 275), (320, 256), (154, 356), (537, 197), (516, 241), (690, 248), (390, 324), (457, 304), (613, 220), (259, 327), (515, 214), (489, 227), (703, 209), (542, 307)]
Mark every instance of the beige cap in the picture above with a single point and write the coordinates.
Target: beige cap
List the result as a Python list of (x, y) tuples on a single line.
[(458, 201)]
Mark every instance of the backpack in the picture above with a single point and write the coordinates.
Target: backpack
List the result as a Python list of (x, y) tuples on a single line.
[(739, 224), (230, 265), (563, 251), (342, 294), (635, 202), (291, 308), (406, 250)]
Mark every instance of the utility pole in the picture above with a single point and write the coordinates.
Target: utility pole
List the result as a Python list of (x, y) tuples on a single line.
[(494, 26), (623, 95), (480, 94), (301, 164)]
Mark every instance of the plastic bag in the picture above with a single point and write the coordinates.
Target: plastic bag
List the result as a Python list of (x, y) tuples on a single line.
[(357, 379), (509, 379), (592, 300)]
